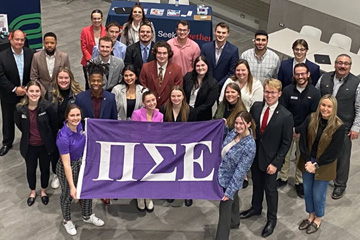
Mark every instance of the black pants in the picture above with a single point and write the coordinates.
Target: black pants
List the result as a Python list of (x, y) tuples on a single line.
[(86, 78), (55, 156), (33, 154), (264, 182), (8, 127), (229, 216), (343, 164)]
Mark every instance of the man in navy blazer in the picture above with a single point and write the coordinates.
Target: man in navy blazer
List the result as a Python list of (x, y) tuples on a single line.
[(274, 130), (286, 71), (15, 66), (220, 54)]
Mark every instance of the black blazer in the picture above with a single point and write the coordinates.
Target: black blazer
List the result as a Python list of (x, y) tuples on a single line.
[(206, 97), (191, 116), (134, 55), (46, 122), (9, 74), (273, 145)]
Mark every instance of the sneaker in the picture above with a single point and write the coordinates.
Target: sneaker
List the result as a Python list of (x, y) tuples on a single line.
[(70, 227), (55, 182), (140, 204), (280, 183), (149, 205), (94, 220), (300, 190)]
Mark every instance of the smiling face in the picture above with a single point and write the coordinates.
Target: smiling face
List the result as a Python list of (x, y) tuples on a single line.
[(96, 81), (113, 32), (271, 95), (105, 48), (221, 34), (201, 68), (242, 73), (162, 55), (145, 34), (74, 117), (63, 80), (182, 31), (342, 66), (326, 108), (150, 102), (96, 19), (176, 97), (50, 45), (17, 41), (301, 76), (137, 14), (300, 53), (33, 93), (241, 125), (231, 95), (129, 77), (261, 42)]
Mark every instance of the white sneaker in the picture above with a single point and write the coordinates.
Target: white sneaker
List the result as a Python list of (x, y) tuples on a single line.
[(149, 205), (94, 220), (141, 204), (70, 227), (55, 183)]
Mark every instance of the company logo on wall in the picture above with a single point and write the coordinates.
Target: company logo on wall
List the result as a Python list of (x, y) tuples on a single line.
[(31, 25)]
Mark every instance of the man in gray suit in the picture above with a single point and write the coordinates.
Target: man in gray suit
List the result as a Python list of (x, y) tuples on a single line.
[(114, 64), (47, 62)]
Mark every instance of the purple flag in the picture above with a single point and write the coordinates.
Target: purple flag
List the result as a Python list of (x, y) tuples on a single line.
[(125, 159)]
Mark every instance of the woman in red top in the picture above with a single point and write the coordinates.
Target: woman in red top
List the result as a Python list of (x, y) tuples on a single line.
[(89, 37)]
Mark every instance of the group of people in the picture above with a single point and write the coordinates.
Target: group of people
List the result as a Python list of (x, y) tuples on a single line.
[(268, 107)]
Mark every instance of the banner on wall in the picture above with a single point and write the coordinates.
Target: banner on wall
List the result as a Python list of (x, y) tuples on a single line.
[(124, 159), (24, 15)]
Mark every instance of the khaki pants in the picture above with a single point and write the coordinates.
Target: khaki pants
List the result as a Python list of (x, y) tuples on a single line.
[(284, 172)]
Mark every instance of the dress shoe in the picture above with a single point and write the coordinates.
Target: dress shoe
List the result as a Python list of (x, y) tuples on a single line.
[(45, 200), (338, 193), (149, 205), (140, 204), (245, 183), (106, 201), (249, 213), (280, 183), (188, 202), (4, 150), (268, 229), (304, 224), (300, 190), (170, 200), (31, 201), (312, 228)]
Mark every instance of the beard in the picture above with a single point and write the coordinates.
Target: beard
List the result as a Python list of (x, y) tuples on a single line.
[(50, 53)]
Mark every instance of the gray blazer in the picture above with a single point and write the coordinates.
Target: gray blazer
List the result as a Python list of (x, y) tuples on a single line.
[(115, 70), (121, 101)]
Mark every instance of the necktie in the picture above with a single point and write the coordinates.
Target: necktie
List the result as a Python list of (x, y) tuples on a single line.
[(160, 75), (145, 55), (265, 120)]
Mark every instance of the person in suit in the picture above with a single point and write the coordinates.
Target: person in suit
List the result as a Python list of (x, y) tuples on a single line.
[(185, 49), (286, 70), (264, 63), (142, 51), (89, 37), (128, 93), (36, 120), (160, 75), (130, 31), (201, 89), (114, 65), (321, 140), (274, 128), (96, 102), (221, 54), (47, 62), (345, 86), (15, 65), (148, 113), (119, 49)]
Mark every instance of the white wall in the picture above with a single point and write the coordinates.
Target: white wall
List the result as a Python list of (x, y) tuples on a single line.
[(348, 10)]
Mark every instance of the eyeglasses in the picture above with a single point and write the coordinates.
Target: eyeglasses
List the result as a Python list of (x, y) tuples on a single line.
[(299, 49), (343, 63), (182, 30), (300, 74), (270, 92)]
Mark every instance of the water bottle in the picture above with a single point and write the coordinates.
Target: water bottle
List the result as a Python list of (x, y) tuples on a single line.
[(176, 3)]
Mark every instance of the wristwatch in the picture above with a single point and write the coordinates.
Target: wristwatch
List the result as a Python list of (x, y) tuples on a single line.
[(316, 165)]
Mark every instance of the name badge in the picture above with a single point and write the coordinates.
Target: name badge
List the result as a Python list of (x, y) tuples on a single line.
[(294, 97), (23, 116), (40, 114)]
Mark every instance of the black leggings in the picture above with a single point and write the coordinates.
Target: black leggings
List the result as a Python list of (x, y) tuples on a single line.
[(33, 154)]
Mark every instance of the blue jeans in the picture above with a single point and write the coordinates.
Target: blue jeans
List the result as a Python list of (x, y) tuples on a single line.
[(315, 194)]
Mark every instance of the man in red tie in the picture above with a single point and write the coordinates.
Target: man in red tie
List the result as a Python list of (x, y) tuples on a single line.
[(274, 126)]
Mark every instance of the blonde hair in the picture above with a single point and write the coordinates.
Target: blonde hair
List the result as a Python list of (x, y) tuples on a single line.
[(25, 99), (273, 83)]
